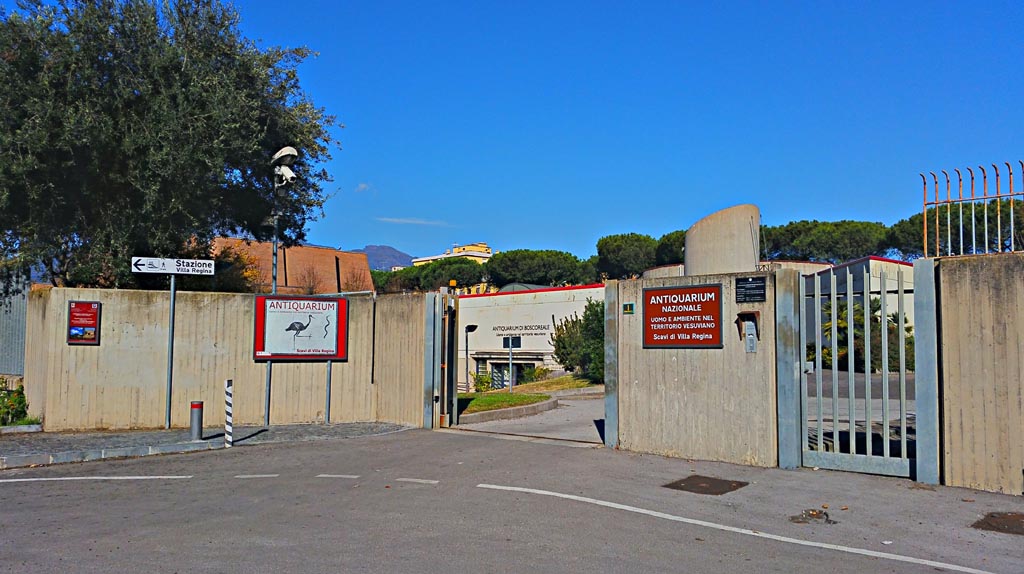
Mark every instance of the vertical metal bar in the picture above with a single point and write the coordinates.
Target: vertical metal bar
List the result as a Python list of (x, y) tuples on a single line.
[(803, 358), (1013, 222), (937, 230), (999, 212), (850, 358), (833, 303), (273, 291), (868, 423), (429, 358), (949, 220), (817, 362), (984, 194), (884, 326), (974, 234), (327, 400), (924, 216), (926, 372), (960, 202), (901, 317), (170, 356)]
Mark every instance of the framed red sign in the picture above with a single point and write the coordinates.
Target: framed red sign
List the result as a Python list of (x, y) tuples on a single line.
[(84, 322), (687, 317), (300, 329)]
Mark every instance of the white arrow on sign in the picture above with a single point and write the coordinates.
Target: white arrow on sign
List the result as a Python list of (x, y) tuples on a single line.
[(172, 266)]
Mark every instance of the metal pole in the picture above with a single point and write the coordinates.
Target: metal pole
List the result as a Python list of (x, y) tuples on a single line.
[(273, 291), (327, 401), (195, 423), (170, 357), (229, 437), (468, 386), (510, 364)]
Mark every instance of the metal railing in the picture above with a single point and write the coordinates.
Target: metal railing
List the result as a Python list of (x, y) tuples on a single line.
[(984, 206)]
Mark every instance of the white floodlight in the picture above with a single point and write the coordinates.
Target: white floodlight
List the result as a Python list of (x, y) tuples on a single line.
[(285, 156)]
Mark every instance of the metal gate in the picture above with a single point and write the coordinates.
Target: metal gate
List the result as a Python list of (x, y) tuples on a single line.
[(12, 332), (858, 393)]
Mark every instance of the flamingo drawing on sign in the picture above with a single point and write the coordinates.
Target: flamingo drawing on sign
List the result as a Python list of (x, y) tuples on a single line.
[(298, 327)]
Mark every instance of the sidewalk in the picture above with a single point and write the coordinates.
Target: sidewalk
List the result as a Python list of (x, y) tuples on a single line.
[(33, 449)]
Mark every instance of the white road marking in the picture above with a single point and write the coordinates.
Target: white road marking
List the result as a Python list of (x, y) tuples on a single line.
[(416, 480), (62, 478), (745, 531), (337, 476), (257, 475)]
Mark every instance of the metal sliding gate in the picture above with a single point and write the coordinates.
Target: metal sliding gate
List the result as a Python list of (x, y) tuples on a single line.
[(857, 397)]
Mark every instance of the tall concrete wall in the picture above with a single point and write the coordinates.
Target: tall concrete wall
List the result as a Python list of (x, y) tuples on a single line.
[(981, 349), (726, 241), (122, 382), (709, 404)]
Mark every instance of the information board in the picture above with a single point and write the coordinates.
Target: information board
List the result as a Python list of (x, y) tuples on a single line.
[(300, 329), (687, 317), (84, 322), (751, 289)]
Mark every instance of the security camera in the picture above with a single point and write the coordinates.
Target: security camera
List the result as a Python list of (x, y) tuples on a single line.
[(284, 175)]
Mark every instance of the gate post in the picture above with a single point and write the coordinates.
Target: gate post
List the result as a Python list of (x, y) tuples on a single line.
[(611, 364), (788, 360), (926, 370)]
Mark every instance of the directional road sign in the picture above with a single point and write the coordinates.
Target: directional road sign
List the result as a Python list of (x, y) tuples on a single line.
[(172, 266)]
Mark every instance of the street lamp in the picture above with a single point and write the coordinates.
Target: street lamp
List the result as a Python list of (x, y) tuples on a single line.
[(469, 329), (283, 175)]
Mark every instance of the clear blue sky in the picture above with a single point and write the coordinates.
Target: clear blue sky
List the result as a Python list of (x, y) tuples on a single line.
[(547, 125)]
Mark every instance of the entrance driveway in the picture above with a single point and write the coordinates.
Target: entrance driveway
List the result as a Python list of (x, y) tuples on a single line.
[(576, 419)]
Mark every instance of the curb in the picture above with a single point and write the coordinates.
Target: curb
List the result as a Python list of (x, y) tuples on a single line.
[(21, 429), (509, 413), (583, 393), (21, 461)]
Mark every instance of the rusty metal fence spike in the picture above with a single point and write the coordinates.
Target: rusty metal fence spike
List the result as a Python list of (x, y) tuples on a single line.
[(974, 235), (949, 222), (999, 215), (937, 230), (984, 195), (924, 212)]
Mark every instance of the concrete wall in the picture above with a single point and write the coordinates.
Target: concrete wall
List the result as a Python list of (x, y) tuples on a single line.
[(709, 404), (122, 382), (981, 349), (727, 241)]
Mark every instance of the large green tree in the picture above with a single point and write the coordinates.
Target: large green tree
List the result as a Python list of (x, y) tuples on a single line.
[(670, 248), (145, 127), (538, 267), (831, 241), (625, 255)]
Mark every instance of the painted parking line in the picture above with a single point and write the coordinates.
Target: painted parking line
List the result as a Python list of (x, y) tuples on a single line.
[(744, 531), (417, 480), (337, 476), (257, 475), (63, 478)]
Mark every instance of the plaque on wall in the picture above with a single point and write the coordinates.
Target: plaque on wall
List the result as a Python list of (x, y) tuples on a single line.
[(751, 289)]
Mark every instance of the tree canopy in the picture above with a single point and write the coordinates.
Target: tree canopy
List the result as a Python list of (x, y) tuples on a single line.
[(537, 267), (144, 127), (625, 255), (670, 248)]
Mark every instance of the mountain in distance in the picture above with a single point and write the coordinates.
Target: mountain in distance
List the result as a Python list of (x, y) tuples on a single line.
[(384, 257)]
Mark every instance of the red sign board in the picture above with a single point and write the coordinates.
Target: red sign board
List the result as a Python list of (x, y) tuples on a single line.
[(301, 329), (683, 317), (84, 322)]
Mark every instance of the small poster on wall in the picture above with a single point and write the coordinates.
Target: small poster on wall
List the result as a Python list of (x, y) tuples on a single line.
[(301, 329), (84, 322)]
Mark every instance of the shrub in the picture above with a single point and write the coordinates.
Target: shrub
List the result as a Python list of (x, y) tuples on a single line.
[(534, 374), (13, 405), (482, 382), (579, 342)]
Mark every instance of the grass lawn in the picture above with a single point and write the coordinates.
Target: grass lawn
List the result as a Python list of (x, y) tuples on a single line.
[(549, 385), (479, 402)]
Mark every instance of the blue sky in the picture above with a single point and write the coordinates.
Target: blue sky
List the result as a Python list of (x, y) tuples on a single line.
[(547, 125)]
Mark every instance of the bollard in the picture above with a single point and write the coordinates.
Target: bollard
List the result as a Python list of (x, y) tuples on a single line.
[(229, 438), (196, 423)]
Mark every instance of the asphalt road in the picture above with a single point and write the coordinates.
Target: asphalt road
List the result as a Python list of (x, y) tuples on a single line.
[(267, 508)]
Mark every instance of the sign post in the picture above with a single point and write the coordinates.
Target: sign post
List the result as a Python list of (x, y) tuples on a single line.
[(510, 343), (171, 267)]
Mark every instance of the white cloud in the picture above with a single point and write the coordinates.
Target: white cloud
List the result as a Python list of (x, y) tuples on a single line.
[(362, 187), (411, 221)]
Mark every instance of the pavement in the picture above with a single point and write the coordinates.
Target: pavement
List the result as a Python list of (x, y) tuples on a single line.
[(34, 449), (463, 502), (575, 419)]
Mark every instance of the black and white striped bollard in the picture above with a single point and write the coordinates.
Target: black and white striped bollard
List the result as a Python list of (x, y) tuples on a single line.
[(229, 439)]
